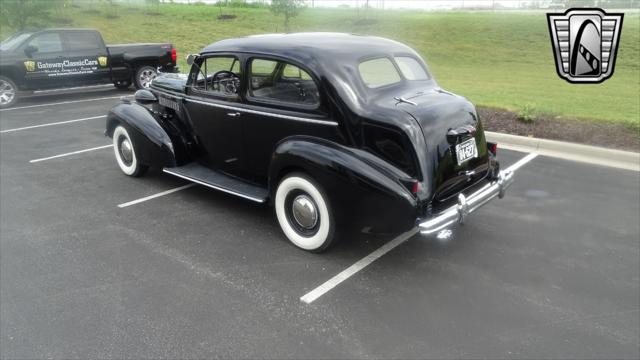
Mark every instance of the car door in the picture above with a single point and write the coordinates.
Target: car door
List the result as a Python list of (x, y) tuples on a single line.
[(86, 58), (283, 100), (44, 61), (212, 94)]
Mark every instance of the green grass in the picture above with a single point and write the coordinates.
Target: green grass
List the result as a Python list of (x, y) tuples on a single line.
[(500, 59)]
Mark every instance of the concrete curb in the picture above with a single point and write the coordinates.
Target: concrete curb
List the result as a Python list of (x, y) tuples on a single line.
[(569, 151)]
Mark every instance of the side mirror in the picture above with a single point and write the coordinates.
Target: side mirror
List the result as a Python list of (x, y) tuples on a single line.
[(144, 97), (191, 58), (29, 50)]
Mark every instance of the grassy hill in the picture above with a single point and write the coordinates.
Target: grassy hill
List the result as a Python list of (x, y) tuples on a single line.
[(496, 59)]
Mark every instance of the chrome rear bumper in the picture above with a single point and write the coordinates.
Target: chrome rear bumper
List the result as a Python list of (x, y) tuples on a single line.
[(467, 204)]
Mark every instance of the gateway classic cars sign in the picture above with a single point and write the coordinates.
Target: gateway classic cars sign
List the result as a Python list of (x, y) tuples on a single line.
[(585, 44), (66, 67)]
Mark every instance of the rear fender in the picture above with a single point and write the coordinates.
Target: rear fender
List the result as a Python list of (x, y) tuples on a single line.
[(152, 144), (362, 194)]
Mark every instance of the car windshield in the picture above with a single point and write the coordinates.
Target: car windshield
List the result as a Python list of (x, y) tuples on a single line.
[(13, 41)]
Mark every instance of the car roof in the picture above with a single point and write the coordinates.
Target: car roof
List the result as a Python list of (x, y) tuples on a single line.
[(320, 45), (332, 57)]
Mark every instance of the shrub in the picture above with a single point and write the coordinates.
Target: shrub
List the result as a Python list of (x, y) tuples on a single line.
[(527, 114)]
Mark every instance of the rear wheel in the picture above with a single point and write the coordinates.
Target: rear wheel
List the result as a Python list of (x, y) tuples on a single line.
[(124, 150), (144, 75), (304, 213), (8, 92)]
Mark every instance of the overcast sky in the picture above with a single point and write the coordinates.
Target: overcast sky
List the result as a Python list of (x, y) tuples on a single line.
[(408, 4)]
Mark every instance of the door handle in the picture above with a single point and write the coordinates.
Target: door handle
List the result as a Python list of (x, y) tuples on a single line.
[(234, 114)]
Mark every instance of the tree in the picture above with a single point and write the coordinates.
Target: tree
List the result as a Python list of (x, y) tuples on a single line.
[(19, 14), (288, 8)]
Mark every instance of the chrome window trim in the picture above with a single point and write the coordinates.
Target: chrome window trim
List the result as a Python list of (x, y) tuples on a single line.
[(281, 116)]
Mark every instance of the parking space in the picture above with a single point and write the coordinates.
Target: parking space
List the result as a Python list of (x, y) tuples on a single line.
[(551, 270)]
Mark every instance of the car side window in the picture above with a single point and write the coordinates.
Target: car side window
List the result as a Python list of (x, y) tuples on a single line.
[(47, 42), (294, 72), (85, 40), (282, 82), (219, 75)]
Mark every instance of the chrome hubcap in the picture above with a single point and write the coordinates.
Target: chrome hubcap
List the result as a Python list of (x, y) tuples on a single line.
[(304, 212), (7, 92), (146, 77), (126, 151)]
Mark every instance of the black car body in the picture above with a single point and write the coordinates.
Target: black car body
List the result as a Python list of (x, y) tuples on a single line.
[(359, 118), (66, 58)]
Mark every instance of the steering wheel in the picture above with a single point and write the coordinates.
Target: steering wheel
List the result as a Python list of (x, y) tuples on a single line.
[(229, 80)]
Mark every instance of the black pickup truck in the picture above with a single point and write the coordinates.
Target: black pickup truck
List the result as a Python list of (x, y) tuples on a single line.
[(66, 58)]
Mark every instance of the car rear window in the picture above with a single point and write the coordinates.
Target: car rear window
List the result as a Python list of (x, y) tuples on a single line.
[(378, 72), (411, 68)]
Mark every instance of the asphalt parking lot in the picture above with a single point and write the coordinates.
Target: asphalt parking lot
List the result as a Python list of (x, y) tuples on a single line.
[(550, 271)]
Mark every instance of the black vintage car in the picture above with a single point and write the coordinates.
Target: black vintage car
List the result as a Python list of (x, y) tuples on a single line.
[(331, 129), (66, 58)]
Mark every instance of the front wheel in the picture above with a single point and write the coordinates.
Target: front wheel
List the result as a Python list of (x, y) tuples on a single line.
[(125, 153), (144, 75), (8, 92), (304, 213)]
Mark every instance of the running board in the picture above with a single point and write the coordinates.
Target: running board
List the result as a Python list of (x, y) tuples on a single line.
[(204, 176)]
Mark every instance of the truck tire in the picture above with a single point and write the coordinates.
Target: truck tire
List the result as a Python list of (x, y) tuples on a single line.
[(8, 92), (144, 75)]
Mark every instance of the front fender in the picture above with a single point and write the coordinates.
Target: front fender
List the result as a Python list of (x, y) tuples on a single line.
[(361, 193), (152, 144)]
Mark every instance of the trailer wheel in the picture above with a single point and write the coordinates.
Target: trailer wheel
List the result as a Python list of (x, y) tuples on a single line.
[(144, 75), (8, 92)]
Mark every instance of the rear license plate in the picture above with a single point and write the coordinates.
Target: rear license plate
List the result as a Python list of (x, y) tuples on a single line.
[(466, 150)]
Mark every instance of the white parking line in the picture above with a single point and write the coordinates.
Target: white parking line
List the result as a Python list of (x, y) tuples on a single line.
[(314, 294), (52, 124), (361, 264), (520, 163), (71, 153), (63, 102), (167, 192)]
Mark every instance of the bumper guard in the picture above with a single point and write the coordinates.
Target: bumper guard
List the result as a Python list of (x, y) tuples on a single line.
[(467, 204)]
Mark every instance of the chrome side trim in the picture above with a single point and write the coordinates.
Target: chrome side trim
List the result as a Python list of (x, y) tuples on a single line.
[(286, 117), (258, 200), (468, 204)]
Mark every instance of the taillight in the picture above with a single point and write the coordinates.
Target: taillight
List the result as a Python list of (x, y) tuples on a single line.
[(492, 147), (174, 54), (415, 187), (412, 185)]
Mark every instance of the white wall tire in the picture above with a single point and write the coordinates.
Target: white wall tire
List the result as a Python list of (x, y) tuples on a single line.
[(125, 153), (313, 234)]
